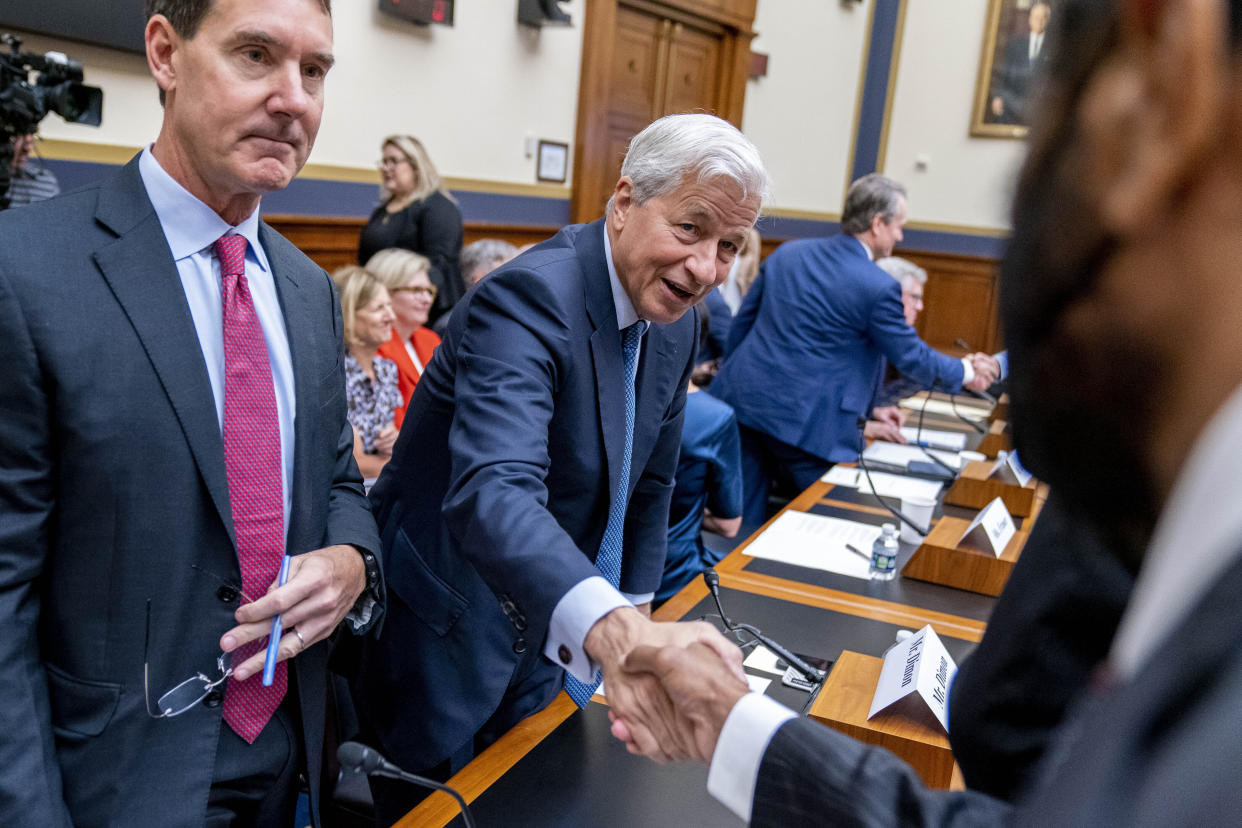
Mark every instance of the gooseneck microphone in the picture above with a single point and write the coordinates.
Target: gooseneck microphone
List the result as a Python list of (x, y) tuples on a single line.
[(862, 462), (356, 757), (808, 672)]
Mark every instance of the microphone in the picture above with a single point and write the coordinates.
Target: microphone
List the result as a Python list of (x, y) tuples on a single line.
[(356, 757), (862, 462), (808, 672)]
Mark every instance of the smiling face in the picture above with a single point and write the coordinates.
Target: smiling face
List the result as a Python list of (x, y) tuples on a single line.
[(373, 321), (670, 251), (244, 98), (412, 301)]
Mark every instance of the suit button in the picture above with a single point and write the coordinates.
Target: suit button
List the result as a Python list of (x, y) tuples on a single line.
[(519, 646), (227, 594), (213, 699), (564, 655)]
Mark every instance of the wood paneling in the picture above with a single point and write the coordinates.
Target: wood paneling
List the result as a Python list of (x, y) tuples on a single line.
[(332, 242), (642, 59), (960, 301)]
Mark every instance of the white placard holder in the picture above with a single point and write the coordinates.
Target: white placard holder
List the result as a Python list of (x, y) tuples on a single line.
[(1007, 469), (918, 668), (991, 529)]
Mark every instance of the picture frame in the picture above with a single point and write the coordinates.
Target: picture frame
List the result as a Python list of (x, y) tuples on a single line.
[(1011, 65), (552, 161)]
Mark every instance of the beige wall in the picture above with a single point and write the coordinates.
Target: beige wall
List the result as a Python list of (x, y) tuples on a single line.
[(801, 114), (967, 181), (474, 92)]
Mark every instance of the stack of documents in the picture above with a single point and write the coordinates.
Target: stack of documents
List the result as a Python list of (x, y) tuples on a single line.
[(817, 542), (887, 485), (966, 411), (895, 454), (948, 440)]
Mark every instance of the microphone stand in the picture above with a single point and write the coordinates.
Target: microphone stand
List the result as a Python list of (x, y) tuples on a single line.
[(808, 672), (358, 758)]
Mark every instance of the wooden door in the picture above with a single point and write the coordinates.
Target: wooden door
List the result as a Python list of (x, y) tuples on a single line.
[(643, 59)]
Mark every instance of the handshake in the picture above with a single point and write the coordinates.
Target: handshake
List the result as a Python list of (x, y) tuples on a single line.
[(987, 371), (670, 685)]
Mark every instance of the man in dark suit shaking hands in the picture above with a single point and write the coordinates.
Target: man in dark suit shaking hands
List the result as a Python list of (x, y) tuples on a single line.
[(807, 348), (1125, 343), (524, 514), (174, 424)]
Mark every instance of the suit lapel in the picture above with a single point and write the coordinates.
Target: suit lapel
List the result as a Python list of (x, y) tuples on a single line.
[(140, 271), (284, 261), (605, 348)]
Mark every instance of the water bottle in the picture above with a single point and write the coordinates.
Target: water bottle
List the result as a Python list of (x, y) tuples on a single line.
[(884, 554)]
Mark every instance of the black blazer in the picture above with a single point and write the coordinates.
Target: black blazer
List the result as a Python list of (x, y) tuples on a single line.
[(113, 493)]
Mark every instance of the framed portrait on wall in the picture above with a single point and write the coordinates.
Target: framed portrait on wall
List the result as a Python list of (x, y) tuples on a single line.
[(1012, 62)]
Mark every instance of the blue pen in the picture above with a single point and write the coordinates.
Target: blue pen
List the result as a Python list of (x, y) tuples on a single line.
[(273, 640)]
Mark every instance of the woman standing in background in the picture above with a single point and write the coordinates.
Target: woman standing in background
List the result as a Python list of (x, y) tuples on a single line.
[(416, 213)]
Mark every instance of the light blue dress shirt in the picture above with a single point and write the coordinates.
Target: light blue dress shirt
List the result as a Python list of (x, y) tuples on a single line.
[(191, 229)]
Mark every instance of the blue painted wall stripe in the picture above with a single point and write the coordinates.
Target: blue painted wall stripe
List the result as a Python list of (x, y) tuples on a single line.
[(875, 87)]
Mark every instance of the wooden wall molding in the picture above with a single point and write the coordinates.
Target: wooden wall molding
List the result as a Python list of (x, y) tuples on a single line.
[(960, 299)]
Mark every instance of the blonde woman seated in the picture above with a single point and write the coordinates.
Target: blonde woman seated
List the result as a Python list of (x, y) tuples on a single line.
[(407, 277), (371, 391)]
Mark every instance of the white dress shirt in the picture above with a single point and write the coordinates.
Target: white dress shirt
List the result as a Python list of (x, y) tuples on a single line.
[(593, 598), (191, 228), (1198, 537)]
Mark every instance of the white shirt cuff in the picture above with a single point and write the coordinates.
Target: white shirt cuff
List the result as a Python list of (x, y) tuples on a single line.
[(969, 370), (637, 599), (574, 615), (751, 724)]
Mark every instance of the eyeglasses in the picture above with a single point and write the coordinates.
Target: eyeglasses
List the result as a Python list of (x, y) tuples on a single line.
[(391, 162), (193, 690), (429, 290)]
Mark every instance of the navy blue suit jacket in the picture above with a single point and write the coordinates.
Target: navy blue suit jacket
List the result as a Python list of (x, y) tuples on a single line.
[(497, 495), (113, 493), (806, 347)]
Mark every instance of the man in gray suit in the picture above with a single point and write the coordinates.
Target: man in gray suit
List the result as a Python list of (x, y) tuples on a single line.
[(174, 423), (1125, 330)]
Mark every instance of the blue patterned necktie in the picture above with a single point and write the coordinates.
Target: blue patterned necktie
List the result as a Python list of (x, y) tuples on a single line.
[(608, 561)]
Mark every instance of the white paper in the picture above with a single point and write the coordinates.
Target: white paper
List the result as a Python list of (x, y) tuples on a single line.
[(763, 660), (991, 529), (950, 440), (888, 485), (919, 665), (895, 454), (817, 542), (758, 684), (964, 410)]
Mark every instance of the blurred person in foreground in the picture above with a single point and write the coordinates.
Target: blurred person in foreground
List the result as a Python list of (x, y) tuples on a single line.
[(1125, 338)]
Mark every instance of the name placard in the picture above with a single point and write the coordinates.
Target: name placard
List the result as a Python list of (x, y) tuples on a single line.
[(1009, 470), (991, 529), (920, 669)]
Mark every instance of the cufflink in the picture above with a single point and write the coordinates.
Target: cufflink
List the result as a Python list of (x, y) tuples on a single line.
[(564, 655)]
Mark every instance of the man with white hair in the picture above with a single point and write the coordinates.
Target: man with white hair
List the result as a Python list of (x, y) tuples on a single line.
[(525, 509)]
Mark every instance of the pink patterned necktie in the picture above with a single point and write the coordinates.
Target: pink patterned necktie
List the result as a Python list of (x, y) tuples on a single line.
[(252, 462)]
